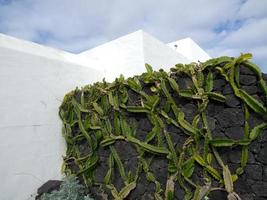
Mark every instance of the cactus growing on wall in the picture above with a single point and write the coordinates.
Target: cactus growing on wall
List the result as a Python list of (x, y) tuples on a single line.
[(186, 134)]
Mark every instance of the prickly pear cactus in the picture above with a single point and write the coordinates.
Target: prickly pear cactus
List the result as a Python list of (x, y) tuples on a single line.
[(196, 132)]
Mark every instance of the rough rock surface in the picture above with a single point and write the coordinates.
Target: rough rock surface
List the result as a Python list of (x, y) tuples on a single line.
[(48, 187), (228, 121)]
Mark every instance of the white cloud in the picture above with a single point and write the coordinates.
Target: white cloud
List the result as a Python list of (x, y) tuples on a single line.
[(221, 27), (253, 8), (251, 34)]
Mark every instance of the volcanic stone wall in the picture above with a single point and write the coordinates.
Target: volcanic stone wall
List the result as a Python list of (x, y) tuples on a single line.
[(225, 120)]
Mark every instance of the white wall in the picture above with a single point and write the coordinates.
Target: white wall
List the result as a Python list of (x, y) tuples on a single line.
[(127, 55), (159, 55), (31, 143), (190, 49), (121, 56)]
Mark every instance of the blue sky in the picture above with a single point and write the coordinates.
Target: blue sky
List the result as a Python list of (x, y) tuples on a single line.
[(221, 27)]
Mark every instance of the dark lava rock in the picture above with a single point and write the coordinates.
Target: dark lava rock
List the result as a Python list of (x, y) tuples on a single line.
[(254, 172), (230, 117), (161, 175), (184, 82), (233, 166), (242, 186), (98, 193), (265, 174), (254, 119), (84, 148), (147, 196), (212, 123), (248, 80), (190, 111), (218, 84), (251, 158), (250, 181), (260, 188), (227, 90), (103, 151), (262, 156), (234, 156), (140, 187), (101, 172), (158, 163), (255, 147), (250, 89), (263, 137), (214, 108), (235, 132), (131, 165), (218, 195), (217, 133), (133, 99), (145, 124), (260, 198), (198, 174), (248, 196), (141, 134), (48, 187), (245, 70), (258, 98), (232, 100), (128, 150), (173, 129), (178, 192), (117, 180), (177, 136)]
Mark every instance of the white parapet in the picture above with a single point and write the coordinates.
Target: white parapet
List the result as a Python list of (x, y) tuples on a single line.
[(33, 82), (127, 55), (190, 49)]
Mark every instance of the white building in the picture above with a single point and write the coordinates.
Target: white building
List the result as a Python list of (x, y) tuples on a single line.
[(33, 81)]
